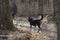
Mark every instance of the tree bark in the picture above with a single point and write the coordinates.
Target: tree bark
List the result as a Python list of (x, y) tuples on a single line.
[(40, 6), (57, 16), (6, 22)]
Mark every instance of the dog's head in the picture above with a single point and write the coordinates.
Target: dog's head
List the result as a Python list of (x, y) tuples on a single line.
[(30, 18)]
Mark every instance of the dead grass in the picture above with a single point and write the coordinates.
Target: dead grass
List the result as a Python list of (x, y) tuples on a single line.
[(28, 35)]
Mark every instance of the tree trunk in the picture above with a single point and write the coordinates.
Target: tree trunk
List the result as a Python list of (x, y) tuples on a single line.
[(57, 16), (6, 22), (40, 6)]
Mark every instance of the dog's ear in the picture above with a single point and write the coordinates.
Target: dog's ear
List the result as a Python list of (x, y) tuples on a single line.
[(28, 18)]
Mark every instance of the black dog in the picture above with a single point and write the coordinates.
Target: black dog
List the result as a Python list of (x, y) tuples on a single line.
[(36, 22)]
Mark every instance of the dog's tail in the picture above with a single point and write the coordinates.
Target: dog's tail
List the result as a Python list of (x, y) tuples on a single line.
[(40, 17)]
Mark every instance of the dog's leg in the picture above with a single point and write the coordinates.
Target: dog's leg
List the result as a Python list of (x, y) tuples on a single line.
[(39, 28), (30, 27)]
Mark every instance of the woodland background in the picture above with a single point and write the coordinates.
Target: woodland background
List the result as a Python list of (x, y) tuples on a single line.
[(26, 8)]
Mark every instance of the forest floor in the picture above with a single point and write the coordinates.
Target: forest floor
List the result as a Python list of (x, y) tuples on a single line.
[(48, 32), (48, 29)]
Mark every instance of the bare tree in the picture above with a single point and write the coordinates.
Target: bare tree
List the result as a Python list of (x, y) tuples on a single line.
[(6, 22), (40, 6), (57, 16)]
